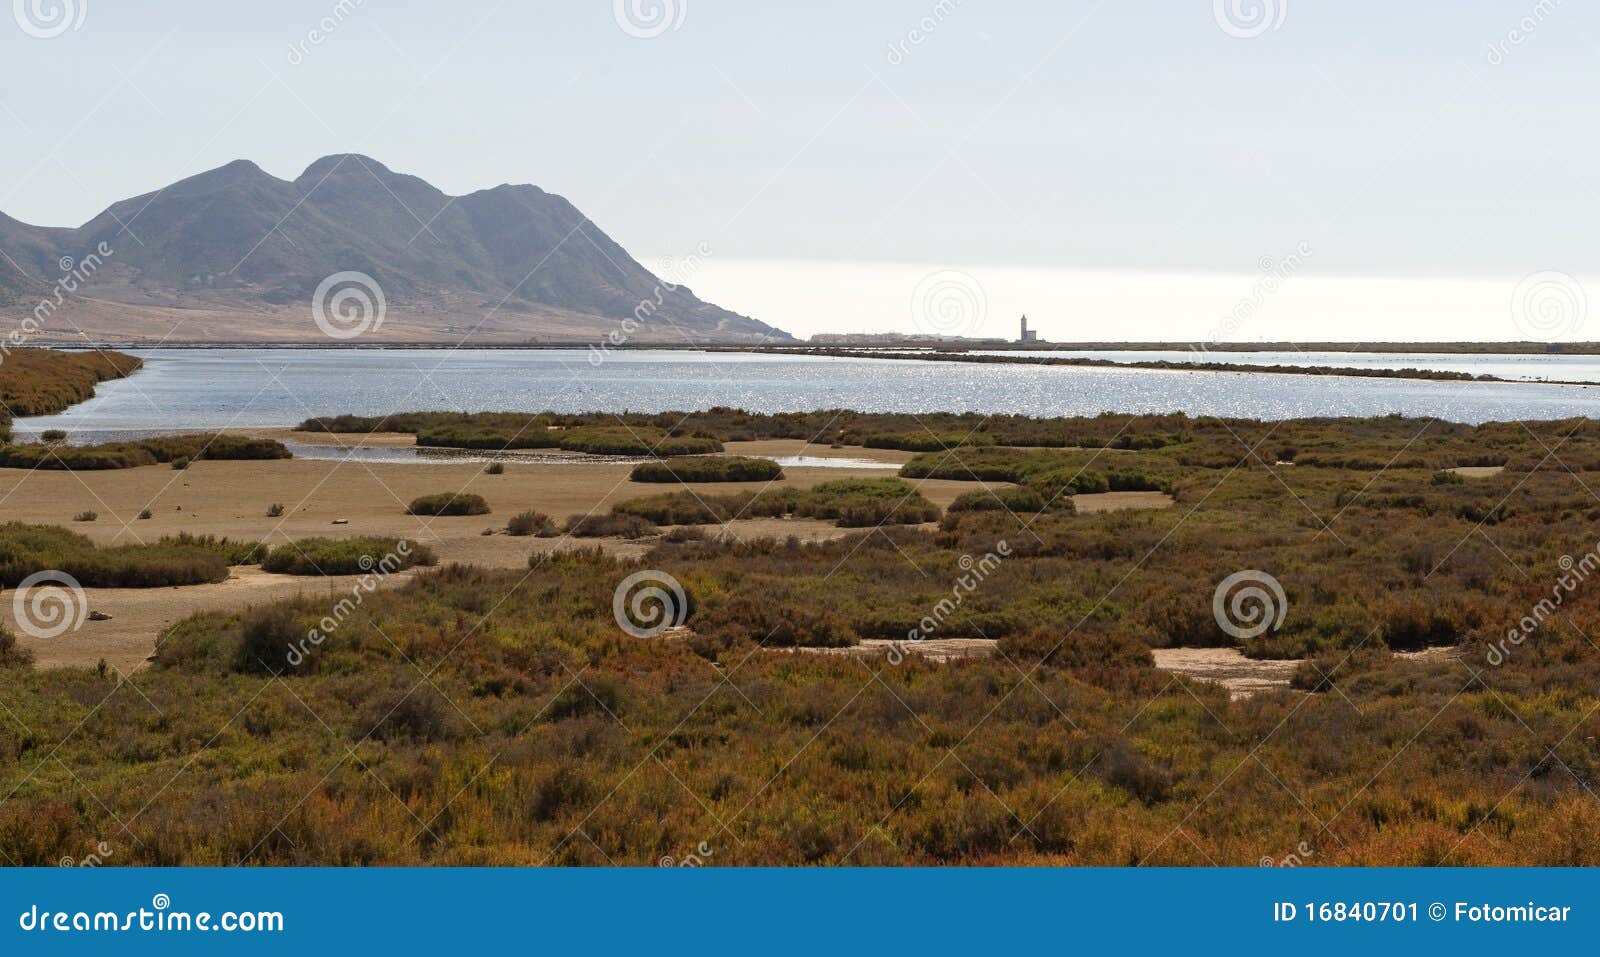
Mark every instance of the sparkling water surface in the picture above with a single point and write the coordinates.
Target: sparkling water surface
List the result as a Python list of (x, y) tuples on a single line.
[(203, 389)]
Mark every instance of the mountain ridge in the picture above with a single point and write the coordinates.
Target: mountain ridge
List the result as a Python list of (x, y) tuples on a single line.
[(237, 253)]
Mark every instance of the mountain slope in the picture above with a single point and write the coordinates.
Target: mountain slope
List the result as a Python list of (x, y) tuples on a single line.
[(236, 253)]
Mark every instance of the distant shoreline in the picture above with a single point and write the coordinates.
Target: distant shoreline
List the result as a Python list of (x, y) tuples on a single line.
[(1440, 348)]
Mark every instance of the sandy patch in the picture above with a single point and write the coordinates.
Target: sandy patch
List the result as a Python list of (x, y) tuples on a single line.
[(1478, 471), (231, 499), (1227, 667), (1118, 501), (934, 649)]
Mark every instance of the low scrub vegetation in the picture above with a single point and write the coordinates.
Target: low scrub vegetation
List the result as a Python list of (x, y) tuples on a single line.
[(346, 556), (708, 468), (448, 503), (28, 549), (545, 734), (529, 523), (851, 503), (178, 450)]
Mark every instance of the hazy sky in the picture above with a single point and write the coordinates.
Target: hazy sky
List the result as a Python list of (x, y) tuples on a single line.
[(1043, 148)]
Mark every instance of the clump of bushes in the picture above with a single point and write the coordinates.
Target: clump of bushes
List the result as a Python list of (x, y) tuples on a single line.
[(85, 516), (609, 526), (174, 449), (708, 468), (448, 503), (266, 636), (346, 556), (53, 436), (26, 549), (927, 441), (275, 510), (418, 713), (495, 468), (12, 654), (1022, 501), (528, 523), (851, 503), (233, 551), (593, 440)]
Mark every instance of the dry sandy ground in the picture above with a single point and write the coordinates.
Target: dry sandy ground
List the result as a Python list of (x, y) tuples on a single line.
[(1228, 667), (1118, 501), (231, 499), (369, 498), (934, 649)]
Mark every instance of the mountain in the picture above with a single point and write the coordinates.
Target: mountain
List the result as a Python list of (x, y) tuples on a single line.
[(236, 254)]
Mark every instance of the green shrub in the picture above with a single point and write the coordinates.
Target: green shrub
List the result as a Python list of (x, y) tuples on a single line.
[(12, 654), (449, 503), (1022, 501), (26, 549), (346, 556), (609, 526), (181, 462), (528, 523), (266, 636), (418, 713), (927, 441), (232, 551), (732, 468)]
